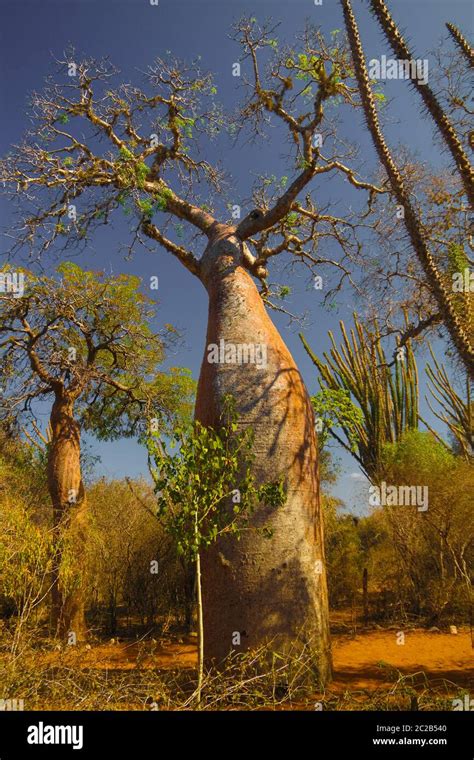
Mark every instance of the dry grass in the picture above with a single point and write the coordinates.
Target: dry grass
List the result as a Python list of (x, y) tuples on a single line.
[(161, 675)]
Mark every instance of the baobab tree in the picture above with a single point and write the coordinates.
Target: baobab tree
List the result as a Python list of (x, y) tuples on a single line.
[(95, 148), (85, 342)]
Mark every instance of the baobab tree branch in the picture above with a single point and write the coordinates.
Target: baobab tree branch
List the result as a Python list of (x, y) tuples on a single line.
[(54, 158), (29, 347), (183, 209), (302, 124), (128, 390), (185, 257), (258, 220), (351, 177)]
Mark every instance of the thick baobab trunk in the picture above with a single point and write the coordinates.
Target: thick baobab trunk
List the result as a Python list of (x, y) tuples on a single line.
[(263, 588), (69, 522)]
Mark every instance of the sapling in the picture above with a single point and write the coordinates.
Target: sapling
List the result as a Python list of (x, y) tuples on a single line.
[(205, 490)]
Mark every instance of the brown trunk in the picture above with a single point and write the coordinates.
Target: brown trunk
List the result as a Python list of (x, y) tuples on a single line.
[(365, 594), (69, 521), (263, 588)]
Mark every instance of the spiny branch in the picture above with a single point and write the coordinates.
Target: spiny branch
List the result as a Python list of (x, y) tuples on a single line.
[(413, 224), (463, 44), (400, 48)]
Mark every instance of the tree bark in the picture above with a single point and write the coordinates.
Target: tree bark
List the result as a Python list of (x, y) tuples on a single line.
[(189, 593), (365, 594), (266, 589), (69, 521), (200, 629)]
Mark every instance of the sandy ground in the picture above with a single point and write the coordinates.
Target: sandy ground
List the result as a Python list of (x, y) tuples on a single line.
[(357, 661), (366, 661)]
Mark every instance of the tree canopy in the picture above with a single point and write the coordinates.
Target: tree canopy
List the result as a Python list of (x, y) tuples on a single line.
[(89, 338)]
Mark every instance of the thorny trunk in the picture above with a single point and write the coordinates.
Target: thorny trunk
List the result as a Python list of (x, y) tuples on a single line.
[(69, 521), (265, 589), (432, 105), (460, 333)]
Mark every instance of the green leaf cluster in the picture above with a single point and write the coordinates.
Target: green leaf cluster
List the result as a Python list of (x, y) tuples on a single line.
[(206, 488)]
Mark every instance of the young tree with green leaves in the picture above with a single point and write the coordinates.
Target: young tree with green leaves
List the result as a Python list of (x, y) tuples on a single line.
[(206, 494), (84, 341)]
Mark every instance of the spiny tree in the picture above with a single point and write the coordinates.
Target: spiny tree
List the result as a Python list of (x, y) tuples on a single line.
[(374, 401), (453, 410), (460, 40), (459, 328), (95, 148), (85, 342), (395, 287), (402, 51)]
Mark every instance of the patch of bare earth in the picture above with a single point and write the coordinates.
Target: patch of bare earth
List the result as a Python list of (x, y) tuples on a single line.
[(367, 661), (372, 670)]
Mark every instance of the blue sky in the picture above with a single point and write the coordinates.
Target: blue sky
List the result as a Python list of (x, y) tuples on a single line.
[(132, 34)]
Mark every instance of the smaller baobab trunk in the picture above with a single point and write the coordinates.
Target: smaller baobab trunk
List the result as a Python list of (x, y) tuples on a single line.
[(69, 520), (91, 337)]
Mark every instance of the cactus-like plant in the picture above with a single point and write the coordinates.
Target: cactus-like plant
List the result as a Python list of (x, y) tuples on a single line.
[(456, 412), (385, 392), (434, 108)]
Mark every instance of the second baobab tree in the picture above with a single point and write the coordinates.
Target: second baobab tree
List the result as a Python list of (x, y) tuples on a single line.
[(84, 343)]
